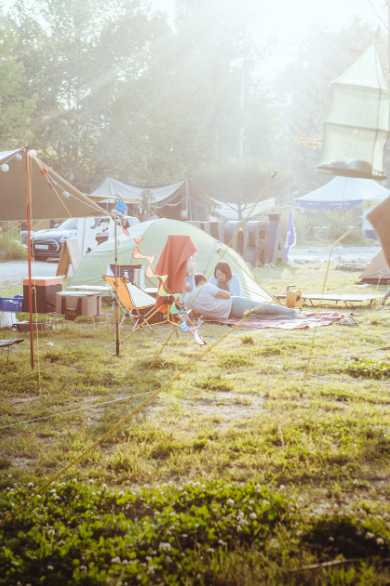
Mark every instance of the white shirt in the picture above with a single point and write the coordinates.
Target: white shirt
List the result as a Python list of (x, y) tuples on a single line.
[(202, 300)]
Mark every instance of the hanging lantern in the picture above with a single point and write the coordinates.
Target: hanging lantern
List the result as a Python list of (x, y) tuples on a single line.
[(358, 123)]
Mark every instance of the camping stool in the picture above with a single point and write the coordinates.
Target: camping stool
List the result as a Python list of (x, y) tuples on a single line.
[(6, 344)]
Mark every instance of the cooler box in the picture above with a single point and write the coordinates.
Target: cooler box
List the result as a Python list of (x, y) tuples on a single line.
[(43, 294), (72, 304)]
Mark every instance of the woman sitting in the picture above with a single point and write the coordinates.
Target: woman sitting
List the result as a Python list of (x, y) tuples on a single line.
[(224, 279), (215, 303)]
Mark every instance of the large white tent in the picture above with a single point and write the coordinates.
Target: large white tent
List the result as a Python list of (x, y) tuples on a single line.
[(357, 126)]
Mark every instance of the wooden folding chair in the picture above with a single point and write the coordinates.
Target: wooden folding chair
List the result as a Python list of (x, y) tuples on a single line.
[(143, 309)]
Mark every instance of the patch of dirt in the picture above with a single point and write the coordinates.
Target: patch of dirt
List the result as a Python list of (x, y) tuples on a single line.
[(226, 407), (22, 462)]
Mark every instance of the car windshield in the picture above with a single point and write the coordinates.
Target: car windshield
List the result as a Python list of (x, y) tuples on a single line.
[(70, 224)]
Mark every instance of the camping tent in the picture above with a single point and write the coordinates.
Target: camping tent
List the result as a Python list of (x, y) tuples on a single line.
[(153, 235), (377, 271), (358, 123), (344, 193), (111, 188)]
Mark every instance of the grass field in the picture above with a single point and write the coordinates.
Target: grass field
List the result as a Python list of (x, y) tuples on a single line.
[(270, 448)]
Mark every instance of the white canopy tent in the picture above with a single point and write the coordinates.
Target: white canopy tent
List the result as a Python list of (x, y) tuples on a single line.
[(343, 193)]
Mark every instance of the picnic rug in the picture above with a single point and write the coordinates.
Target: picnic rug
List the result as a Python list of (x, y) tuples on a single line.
[(307, 321)]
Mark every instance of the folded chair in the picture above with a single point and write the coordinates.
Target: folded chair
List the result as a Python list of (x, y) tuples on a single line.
[(141, 307)]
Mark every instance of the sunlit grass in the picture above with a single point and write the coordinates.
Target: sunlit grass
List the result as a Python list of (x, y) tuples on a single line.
[(305, 412)]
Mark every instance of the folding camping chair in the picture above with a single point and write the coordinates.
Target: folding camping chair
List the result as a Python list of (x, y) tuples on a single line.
[(140, 306)]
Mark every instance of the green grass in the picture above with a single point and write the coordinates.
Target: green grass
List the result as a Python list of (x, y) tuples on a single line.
[(305, 414)]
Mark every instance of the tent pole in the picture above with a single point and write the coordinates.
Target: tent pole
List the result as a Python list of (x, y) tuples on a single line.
[(29, 251), (117, 340)]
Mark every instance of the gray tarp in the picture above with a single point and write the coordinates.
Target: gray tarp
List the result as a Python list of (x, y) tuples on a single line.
[(132, 194)]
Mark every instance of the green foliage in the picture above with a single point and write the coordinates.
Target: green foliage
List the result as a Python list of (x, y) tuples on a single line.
[(87, 535), (16, 102), (234, 360), (247, 341), (215, 383), (368, 368)]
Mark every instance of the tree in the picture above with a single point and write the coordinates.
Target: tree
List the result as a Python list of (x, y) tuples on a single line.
[(16, 105), (79, 55)]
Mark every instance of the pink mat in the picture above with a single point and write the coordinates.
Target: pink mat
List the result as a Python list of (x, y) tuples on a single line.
[(308, 320)]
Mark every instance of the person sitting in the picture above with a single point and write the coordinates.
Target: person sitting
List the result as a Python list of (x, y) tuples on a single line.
[(224, 279), (214, 303)]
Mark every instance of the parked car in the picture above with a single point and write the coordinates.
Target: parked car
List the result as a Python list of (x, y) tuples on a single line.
[(47, 244)]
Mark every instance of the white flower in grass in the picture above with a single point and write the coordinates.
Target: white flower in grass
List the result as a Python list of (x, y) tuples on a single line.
[(165, 546), (230, 502), (253, 516), (380, 541), (116, 560)]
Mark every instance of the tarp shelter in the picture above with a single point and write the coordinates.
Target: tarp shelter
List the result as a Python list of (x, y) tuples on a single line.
[(249, 211), (29, 190), (154, 235), (52, 195), (377, 271), (111, 188), (357, 126), (344, 193)]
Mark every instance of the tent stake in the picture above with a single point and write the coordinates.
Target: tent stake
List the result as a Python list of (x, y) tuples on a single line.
[(29, 252)]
